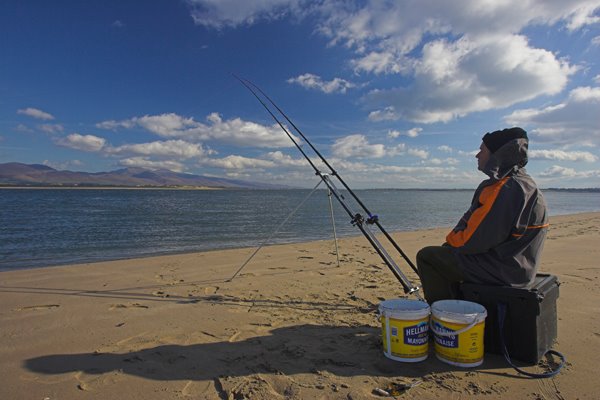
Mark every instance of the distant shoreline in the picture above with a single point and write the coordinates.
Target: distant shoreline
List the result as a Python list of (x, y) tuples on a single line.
[(42, 187), (115, 187)]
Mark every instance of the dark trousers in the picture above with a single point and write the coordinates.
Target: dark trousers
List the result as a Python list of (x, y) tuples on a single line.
[(440, 273)]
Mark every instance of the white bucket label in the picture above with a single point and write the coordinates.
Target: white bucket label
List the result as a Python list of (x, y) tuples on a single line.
[(446, 341), (416, 335)]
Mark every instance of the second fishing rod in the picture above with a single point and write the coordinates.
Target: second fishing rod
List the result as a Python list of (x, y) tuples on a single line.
[(357, 219), (373, 219)]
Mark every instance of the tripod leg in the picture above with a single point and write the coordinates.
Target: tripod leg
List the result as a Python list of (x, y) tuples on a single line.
[(337, 252)]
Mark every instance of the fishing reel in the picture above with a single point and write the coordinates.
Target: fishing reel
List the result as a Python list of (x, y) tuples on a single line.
[(359, 220), (373, 219)]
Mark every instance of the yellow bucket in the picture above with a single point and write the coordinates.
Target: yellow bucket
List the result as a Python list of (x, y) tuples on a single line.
[(458, 327), (405, 329)]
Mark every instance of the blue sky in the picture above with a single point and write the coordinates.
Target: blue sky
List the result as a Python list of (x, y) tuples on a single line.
[(394, 94)]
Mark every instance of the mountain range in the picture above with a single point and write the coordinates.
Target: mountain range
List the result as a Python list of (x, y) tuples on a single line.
[(18, 174)]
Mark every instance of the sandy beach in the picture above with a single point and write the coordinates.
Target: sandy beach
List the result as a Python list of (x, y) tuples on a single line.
[(292, 325)]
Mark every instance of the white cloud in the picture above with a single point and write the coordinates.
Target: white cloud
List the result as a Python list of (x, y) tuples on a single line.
[(245, 133), (487, 64), (169, 148), (114, 125), (51, 128), (557, 171), (420, 176), (444, 148), (35, 113), (394, 134), (237, 162), (562, 155), (583, 15), (399, 27), (574, 121), (63, 165), (165, 125), (234, 131), (471, 153), (439, 173), (597, 79), (453, 79), (285, 160), (387, 114), (383, 62), (218, 14), (144, 162), (464, 59), (88, 143), (418, 153), (357, 146), (414, 132), (310, 81), (446, 161)]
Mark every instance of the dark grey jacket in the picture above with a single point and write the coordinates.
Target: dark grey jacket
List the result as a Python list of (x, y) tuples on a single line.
[(500, 238)]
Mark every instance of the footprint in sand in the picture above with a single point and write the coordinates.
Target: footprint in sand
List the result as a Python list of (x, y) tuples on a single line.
[(211, 290), (90, 383), (84, 387), (130, 305), (169, 279), (38, 307), (233, 338)]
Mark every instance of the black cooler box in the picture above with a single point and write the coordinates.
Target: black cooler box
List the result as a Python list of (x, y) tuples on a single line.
[(530, 326)]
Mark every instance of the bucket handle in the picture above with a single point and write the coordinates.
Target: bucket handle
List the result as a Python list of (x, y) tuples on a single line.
[(453, 333)]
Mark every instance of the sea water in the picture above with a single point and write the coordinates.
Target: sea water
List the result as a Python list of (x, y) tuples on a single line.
[(44, 227)]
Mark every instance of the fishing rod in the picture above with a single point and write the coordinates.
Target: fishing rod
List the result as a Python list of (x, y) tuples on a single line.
[(372, 218), (356, 218)]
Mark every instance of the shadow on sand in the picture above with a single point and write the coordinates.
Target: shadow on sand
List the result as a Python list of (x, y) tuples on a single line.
[(340, 350)]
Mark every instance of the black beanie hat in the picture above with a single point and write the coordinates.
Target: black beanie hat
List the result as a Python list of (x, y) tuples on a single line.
[(497, 139)]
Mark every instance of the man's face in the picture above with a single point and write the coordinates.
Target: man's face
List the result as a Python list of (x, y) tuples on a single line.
[(483, 156)]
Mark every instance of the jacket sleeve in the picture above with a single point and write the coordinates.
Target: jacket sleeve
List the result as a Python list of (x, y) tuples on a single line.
[(490, 220)]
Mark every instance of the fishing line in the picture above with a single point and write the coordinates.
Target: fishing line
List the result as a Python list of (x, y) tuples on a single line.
[(274, 232)]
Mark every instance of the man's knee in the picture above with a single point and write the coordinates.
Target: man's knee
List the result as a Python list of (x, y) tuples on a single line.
[(439, 259), (428, 254), (426, 261)]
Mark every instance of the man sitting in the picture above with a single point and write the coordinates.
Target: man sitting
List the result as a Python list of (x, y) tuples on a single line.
[(498, 241)]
